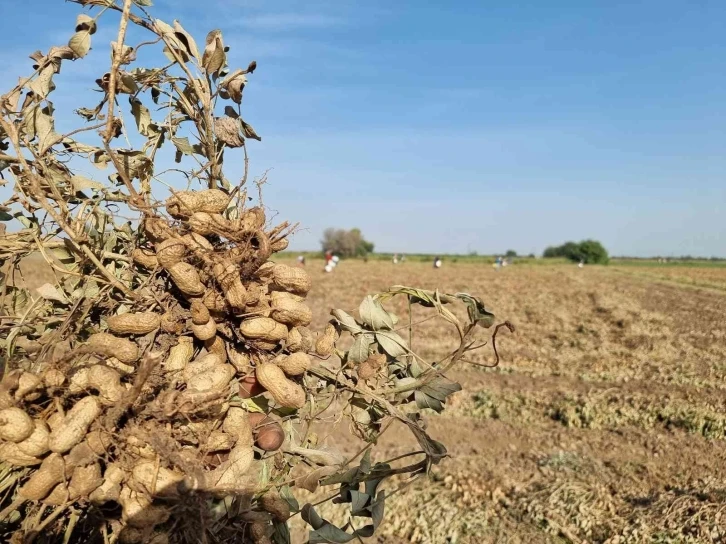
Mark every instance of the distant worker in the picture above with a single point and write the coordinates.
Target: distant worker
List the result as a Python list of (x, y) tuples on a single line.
[(581, 264), (395, 258), (437, 262), (301, 260)]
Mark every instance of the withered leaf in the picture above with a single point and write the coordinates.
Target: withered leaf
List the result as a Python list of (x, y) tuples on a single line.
[(85, 22), (50, 292), (80, 43), (80, 183), (43, 84), (214, 57), (186, 40), (248, 131)]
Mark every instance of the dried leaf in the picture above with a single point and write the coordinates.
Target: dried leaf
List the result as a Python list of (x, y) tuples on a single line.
[(80, 43), (214, 57), (183, 145), (85, 22), (80, 183), (311, 480), (43, 84), (185, 39), (142, 115), (50, 292), (248, 131)]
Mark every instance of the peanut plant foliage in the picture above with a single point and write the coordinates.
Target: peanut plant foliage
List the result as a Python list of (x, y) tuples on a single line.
[(167, 387)]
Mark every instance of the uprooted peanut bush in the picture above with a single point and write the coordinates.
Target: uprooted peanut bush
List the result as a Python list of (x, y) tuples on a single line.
[(167, 386)]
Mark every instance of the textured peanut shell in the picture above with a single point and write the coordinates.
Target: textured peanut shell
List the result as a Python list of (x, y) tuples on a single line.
[(41, 483), (75, 424), (137, 510), (263, 328), (134, 323), (145, 258), (170, 252), (36, 444), (157, 481), (103, 343), (285, 392), (184, 203), (206, 331), (294, 364), (202, 364), (15, 425), (85, 480), (291, 312), (197, 242), (10, 454), (292, 279), (186, 278), (326, 342), (216, 378), (180, 355), (273, 503), (279, 245), (217, 346)]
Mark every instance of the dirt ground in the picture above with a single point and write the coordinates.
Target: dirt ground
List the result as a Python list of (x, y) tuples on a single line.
[(604, 422)]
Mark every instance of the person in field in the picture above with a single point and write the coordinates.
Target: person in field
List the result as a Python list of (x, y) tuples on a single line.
[(437, 262)]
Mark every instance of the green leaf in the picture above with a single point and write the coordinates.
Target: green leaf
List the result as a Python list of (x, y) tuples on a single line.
[(144, 3), (329, 533), (440, 388), (286, 493), (392, 343), (359, 350), (377, 509), (5, 216), (372, 314), (425, 401), (281, 533), (346, 321), (358, 502)]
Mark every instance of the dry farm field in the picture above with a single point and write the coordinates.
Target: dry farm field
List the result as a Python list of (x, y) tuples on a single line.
[(604, 422)]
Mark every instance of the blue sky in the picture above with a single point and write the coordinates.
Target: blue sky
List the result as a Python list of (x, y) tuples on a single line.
[(463, 126)]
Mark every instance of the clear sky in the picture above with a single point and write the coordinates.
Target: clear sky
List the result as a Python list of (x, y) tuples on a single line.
[(463, 126)]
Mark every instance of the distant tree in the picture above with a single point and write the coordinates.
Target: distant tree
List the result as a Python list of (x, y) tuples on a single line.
[(346, 243), (510, 253), (588, 251)]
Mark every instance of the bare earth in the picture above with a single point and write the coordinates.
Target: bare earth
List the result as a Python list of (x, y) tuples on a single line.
[(605, 421)]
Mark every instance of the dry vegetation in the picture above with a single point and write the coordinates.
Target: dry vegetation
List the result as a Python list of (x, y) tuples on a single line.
[(604, 422)]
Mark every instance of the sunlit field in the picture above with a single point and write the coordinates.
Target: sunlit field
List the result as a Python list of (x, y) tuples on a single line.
[(604, 422)]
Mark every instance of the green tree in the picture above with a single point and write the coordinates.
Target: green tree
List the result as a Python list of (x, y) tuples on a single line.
[(346, 243), (510, 253), (588, 251)]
